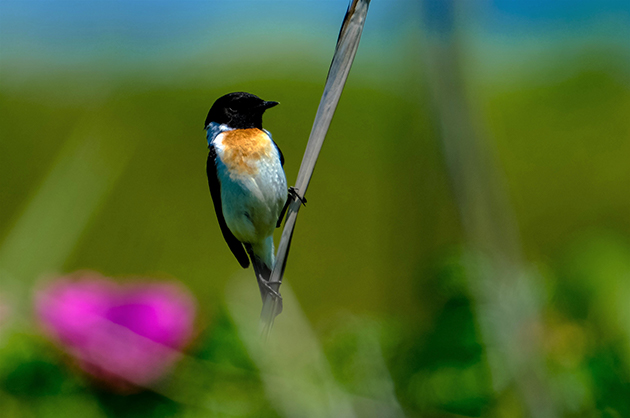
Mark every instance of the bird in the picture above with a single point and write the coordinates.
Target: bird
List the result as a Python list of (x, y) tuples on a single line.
[(247, 182)]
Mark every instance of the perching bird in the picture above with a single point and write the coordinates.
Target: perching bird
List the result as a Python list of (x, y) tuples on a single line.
[(247, 180)]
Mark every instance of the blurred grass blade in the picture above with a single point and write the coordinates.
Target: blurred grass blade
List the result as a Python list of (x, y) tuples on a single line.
[(347, 45), (293, 368), (48, 229), (507, 297)]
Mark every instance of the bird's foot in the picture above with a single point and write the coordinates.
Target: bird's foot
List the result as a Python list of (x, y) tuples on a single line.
[(293, 192), (264, 283), (294, 195)]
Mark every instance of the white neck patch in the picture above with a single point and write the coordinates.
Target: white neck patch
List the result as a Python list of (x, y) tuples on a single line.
[(214, 129)]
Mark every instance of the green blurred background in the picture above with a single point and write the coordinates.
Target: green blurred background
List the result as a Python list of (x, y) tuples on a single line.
[(102, 161)]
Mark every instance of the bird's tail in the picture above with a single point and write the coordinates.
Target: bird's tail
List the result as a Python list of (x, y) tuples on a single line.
[(262, 259)]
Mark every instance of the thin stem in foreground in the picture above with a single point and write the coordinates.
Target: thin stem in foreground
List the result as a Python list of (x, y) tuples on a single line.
[(347, 45)]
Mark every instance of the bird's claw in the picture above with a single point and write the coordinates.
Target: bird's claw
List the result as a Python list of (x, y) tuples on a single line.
[(293, 192), (266, 285)]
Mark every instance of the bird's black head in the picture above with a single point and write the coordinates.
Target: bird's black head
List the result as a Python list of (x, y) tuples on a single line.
[(239, 111)]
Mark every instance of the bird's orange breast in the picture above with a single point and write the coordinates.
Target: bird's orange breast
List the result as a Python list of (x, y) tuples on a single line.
[(243, 148)]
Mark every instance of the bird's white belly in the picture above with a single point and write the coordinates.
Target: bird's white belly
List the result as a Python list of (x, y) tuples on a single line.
[(252, 202)]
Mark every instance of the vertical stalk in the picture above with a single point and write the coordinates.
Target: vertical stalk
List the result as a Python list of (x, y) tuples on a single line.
[(347, 45), (508, 308)]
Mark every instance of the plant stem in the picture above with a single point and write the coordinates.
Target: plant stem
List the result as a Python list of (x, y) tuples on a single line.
[(347, 45)]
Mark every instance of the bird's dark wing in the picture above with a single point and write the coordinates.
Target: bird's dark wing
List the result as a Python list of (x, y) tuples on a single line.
[(215, 191), (277, 147), (286, 204), (283, 212), (279, 152)]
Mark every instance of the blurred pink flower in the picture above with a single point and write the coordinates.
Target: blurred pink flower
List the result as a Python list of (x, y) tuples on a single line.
[(120, 333)]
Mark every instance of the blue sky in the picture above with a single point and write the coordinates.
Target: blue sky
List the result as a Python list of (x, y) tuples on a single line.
[(134, 30)]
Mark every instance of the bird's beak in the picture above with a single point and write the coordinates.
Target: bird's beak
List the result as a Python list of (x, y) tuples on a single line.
[(268, 105)]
